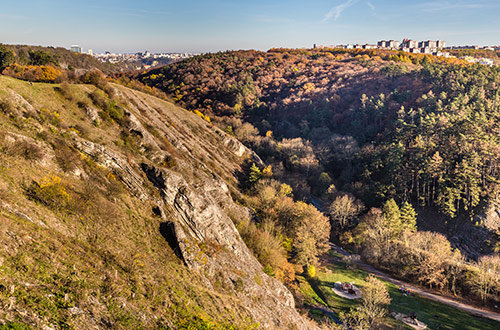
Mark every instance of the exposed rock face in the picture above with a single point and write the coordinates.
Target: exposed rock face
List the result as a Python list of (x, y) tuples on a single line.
[(92, 113), (197, 227), (209, 242), (22, 103), (491, 217), (238, 148), (113, 160)]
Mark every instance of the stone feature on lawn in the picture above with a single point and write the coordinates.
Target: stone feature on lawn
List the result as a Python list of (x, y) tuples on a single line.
[(346, 290), (410, 320)]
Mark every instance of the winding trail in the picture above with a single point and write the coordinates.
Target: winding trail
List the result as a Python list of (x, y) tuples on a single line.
[(419, 291)]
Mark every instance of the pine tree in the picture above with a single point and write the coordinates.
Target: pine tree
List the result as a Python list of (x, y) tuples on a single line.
[(255, 174), (408, 217), (392, 217)]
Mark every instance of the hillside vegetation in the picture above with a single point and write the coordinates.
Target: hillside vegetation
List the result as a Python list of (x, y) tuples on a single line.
[(374, 139), (58, 56), (435, 126), (114, 213)]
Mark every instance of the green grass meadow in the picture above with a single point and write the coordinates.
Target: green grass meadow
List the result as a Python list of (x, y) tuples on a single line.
[(434, 314)]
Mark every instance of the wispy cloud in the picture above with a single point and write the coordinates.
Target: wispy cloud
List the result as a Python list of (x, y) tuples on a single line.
[(371, 5), (337, 11)]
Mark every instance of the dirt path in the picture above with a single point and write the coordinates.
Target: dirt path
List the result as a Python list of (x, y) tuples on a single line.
[(421, 292)]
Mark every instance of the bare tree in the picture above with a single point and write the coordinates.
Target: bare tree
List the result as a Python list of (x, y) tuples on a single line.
[(375, 300), (488, 276), (344, 209)]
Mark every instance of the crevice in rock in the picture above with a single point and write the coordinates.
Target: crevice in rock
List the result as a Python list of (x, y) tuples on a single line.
[(154, 176), (157, 211), (167, 230)]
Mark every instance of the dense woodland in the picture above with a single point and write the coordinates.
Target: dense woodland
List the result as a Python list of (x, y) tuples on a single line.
[(427, 134), (368, 137)]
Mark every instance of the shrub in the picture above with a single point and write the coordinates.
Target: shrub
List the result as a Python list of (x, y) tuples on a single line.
[(65, 90), (170, 161), (66, 156), (375, 300), (92, 77), (115, 111), (311, 271), (201, 115), (7, 107), (51, 117), (42, 73), (49, 191), (99, 99), (28, 150)]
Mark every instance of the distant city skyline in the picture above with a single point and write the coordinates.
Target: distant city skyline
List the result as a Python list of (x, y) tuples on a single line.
[(126, 26)]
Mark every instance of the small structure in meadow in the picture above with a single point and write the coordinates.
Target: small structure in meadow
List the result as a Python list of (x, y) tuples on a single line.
[(410, 320), (347, 290)]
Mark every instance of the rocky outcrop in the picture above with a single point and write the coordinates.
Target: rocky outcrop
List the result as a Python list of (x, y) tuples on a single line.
[(491, 217), (92, 113), (21, 102), (124, 168), (192, 204), (209, 243), (238, 148), (206, 238)]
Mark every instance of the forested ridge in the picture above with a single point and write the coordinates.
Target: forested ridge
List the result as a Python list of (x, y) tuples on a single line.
[(379, 129), (372, 139), (23, 57)]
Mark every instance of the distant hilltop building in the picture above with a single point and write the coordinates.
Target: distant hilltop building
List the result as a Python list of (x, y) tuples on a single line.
[(413, 46), (90, 52), (407, 45), (76, 49), (388, 44)]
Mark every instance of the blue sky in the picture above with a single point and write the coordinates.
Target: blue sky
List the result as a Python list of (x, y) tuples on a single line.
[(211, 25)]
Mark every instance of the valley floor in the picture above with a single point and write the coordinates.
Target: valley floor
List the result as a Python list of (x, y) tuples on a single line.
[(438, 312), (477, 312)]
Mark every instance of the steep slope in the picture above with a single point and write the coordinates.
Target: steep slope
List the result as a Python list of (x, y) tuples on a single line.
[(115, 213)]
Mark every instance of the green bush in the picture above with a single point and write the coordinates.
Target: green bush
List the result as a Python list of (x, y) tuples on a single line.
[(14, 326)]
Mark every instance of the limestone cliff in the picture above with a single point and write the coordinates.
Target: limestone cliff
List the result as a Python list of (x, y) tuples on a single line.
[(157, 180)]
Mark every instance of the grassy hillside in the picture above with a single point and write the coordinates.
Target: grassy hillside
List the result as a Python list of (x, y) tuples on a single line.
[(80, 248)]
